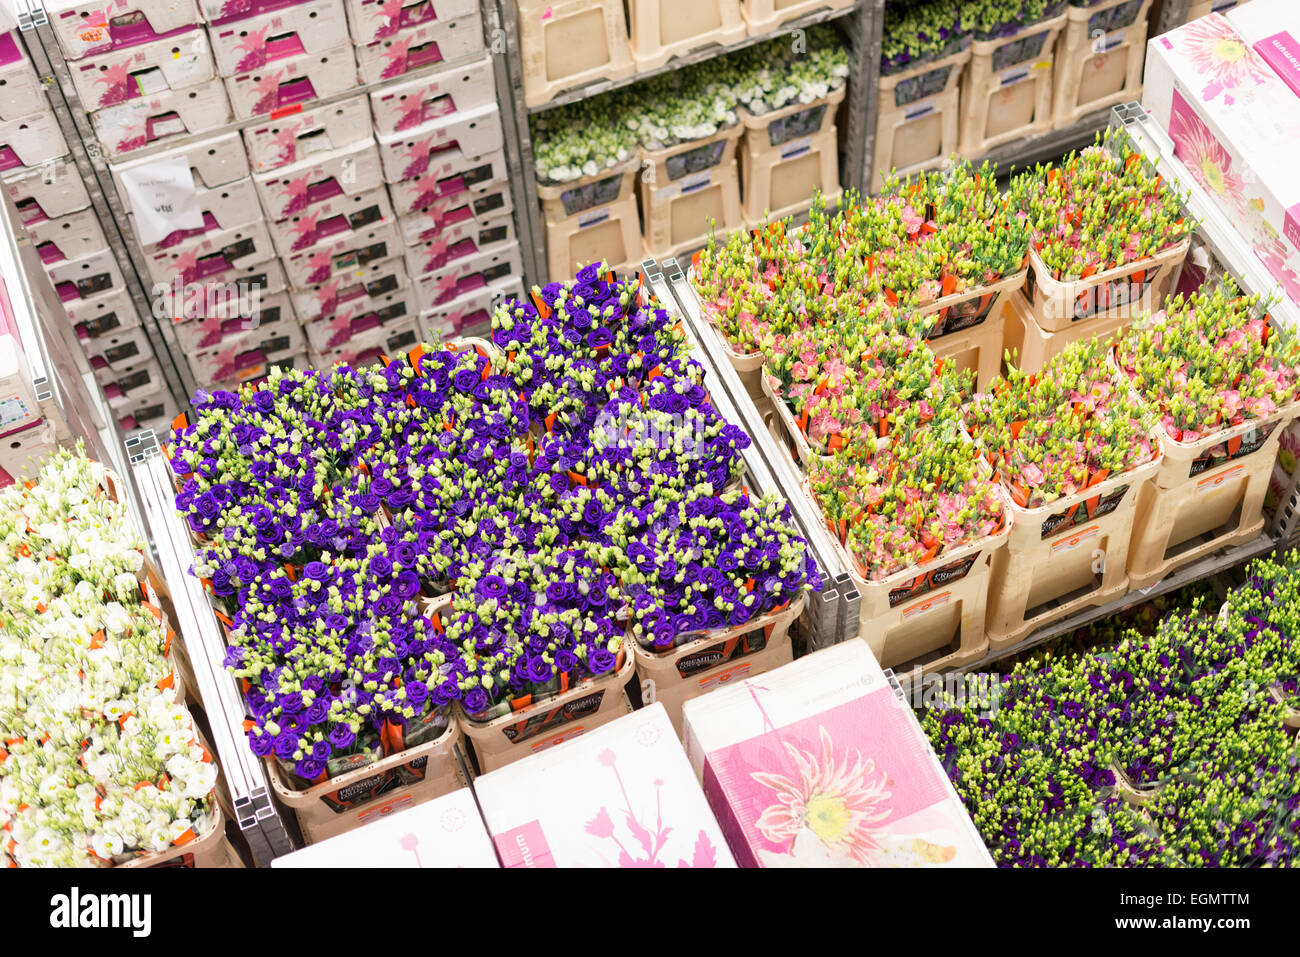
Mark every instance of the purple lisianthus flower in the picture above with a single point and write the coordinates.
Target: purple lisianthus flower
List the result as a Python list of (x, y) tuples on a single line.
[(490, 587), (341, 737), (309, 769), (263, 745), (476, 701), (286, 743), (538, 669), (601, 661)]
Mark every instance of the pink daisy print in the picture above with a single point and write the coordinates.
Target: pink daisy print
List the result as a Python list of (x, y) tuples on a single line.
[(1222, 57)]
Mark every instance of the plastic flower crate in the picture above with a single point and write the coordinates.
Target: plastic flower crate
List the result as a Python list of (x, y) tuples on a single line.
[(782, 180), (764, 16), (1131, 289), (570, 43), (1099, 60), (606, 187), (748, 366), (917, 117), (543, 724), (1207, 495), (696, 667), (1007, 89), (690, 191), (607, 233), (663, 29), (1064, 556), (764, 131), (391, 784), (1034, 346), (665, 166), (1203, 8), (971, 326), (210, 850)]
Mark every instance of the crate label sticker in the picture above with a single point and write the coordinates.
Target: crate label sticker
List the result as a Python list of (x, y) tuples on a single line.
[(930, 604), (1236, 447), (1215, 482), (385, 809), (796, 148), (1014, 75), (724, 677), (362, 792), (922, 584), (150, 82), (1072, 542), (804, 123), (365, 217), (922, 108), (580, 707), (1107, 42), (694, 160), (728, 649), (964, 315), (600, 193), (689, 184), (1082, 512), (593, 218), (1105, 296), (552, 741), (13, 409)]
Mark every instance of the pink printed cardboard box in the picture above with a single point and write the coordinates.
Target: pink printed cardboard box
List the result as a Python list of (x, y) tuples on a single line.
[(87, 276), (1234, 121), (436, 289), (223, 207), (330, 219), (158, 118), (209, 332), (30, 141), (410, 103), (48, 191), (88, 27), (414, 48), (415, 152), (276, 32), (73, 236), (481, 205), (214, 161), (620, 795), (365, 346), (168, 64), (212, 255), (230, 360), (20, 89), (459, 243), (470, 311), (104, 315), (292, 81), (354, 255), (454, 174), (373, 20), (355, 293), (767, 748), (360, 316), (300, 136), (292, 189)]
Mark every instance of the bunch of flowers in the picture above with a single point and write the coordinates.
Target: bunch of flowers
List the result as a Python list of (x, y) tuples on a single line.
[(990, 19), (581, 139), (921, 30), (1097, 210), (98, 763), (1057, 432), (683, 105), (1209, 361), (776, 74)]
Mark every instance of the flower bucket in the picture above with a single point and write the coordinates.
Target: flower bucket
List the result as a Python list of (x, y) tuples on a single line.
[(1099, 63), (767, 131), (1065, 556), (782, 180), (1290, 716), (783, 423), (577, 196), (212, 849), (969, 330), (391, 784), (543, 724), (663, 29), (1007, 90), (1035, 347), (748, 366), (1129, 290), (696, 667), (610, 233)]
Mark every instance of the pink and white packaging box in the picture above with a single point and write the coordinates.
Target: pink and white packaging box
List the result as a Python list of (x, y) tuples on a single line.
[(205, 333), (348, 171), (250, 369), (132, 387), (253, 43), (826, 732), (410, 103), (18, 406), (125, 371), (29, 141), (444, 832), (374, 291), (1272, 29), (297, 138), (459, 243), (23, 451), (364, 347), (1235, 124), (355, 255), (231, 360), (87, 27), (150, 69), (48, 191), (224, 207), (166, 116), (105, 315), (360, 316), (481, 205), (75, 235), (215, 256), (214, 161), (337, 215), (418, 47), (433, 290), (469, 312), (450, 176), (20, 89), (622, 795), (220, 13), (293, 80), (149, 414), (89, 275), (120, 351), (373, 20), (413, 153)]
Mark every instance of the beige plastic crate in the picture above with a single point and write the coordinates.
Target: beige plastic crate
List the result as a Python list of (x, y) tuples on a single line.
[(918, 117), (210, 850), (1099, 63), (680, 216), (570, 43), (397, 782), (1034, 346), (1207, 495), (973, 323), (1203, 8), (663, 167), (1006, 93), (696, 667), (549, 722), (608, 186), (764, 16), (610, 233), (1059, 559), (663, 29), (1130, 290), (749, 367), (783, 179), (767, 131)]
